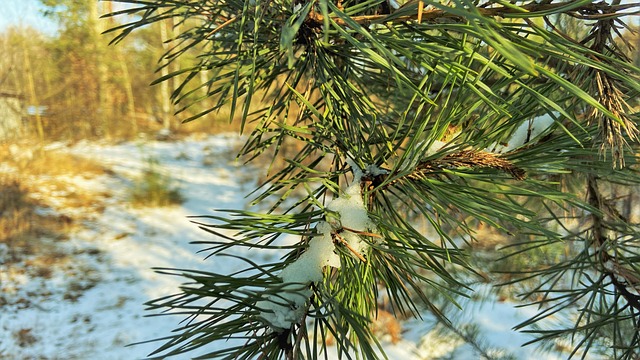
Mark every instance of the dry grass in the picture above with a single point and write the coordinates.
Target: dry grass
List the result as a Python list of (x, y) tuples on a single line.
[(33, 179), (23, 228), (17, 215), (41, 173), (28, 159), (35, 185)]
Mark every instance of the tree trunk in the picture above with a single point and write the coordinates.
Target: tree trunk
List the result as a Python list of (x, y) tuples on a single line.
[(165, 92), (101, 67), (128, 89), (32, 95)]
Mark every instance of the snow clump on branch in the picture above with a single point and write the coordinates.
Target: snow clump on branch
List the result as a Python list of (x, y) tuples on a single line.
[(525, 133), (346, 216)]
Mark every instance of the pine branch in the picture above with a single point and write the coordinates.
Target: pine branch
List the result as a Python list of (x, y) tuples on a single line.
[(471, 159), (607, 90), (622, 279), (573, 8), (474, 159)]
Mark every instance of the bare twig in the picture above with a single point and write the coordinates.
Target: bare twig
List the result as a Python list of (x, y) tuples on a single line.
[(222, 26), (353, 251), (365, 233)]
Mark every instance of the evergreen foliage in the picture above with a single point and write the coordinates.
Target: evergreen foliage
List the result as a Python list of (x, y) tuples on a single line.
[(456, 114)]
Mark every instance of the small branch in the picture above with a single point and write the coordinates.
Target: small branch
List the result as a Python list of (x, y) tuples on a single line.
[(222, 26), (595, 201), (479, 159), (620, 278), (353, 251), (467, 159), (365, 233), (593, 10), (461, 159), (632, 299)]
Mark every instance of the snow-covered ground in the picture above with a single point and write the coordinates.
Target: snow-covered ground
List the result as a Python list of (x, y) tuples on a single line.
[(92, 307)]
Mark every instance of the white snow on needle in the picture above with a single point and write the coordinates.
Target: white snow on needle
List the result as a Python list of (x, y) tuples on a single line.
[(282, 310), (528, 131)]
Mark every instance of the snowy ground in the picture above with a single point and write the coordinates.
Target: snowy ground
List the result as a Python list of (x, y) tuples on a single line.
[(92, 307)]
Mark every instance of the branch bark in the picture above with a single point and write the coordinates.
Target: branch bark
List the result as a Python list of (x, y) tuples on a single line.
[(572, 8)]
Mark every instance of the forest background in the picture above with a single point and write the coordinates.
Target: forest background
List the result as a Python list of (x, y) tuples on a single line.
[(73, 85)]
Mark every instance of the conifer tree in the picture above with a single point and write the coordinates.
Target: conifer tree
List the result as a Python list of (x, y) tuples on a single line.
[(414, 126)]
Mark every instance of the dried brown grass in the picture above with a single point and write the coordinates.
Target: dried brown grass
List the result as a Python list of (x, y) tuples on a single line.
[(23, 229), (30, 178), (28, 159)]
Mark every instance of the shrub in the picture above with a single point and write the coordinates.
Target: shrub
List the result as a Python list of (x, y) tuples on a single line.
[(154, 188)]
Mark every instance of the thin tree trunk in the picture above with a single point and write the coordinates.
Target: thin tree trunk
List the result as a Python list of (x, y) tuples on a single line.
[(128, 90), (165, 92), (101, 67), (33, 97)]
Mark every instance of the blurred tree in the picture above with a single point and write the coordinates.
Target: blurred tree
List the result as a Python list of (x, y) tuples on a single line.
[(125, 81), (101, 92), (468, 115), (80, 54), (166, 35), (25, 59)]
